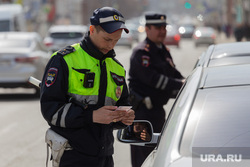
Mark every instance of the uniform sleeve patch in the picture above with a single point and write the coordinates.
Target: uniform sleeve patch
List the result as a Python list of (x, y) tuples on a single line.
[(145, 61), (119, 80), (51, 76)]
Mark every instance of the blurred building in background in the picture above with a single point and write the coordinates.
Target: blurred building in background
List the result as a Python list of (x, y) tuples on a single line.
[(41, 14)]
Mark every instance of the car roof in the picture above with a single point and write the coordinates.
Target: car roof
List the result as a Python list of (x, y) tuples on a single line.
[(11, 8), (225, 54), (231, 49), (20, 35), (225, 76), (68, 28)]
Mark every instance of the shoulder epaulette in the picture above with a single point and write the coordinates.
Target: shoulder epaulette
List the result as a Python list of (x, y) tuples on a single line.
[(66, 50), (117, 61), (144, 46)]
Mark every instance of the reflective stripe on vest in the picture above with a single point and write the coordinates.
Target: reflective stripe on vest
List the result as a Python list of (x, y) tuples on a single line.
[(82, 61)]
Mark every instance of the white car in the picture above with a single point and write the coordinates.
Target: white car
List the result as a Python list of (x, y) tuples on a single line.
[(22, 54), (208, 124), (204, 36), (60, 36), (225, 54)]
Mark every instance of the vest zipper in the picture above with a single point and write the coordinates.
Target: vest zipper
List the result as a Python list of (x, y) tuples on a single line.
[(103, 84)]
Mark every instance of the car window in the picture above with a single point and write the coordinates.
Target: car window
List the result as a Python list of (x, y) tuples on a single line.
[(15, 43), (59, 35), (205, 31), (4, 25), (219, 118), (188, 28)]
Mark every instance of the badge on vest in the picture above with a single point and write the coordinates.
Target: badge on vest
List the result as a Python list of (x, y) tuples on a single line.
[(118, 92), (89, 80), (119, 80)]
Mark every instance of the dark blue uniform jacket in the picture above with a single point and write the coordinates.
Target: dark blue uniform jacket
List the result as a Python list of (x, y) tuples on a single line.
[(84, 136), (153, 73)]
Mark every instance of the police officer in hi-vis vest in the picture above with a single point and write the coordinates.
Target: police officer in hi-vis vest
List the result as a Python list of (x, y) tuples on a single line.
[(82, 87), (153, 79)]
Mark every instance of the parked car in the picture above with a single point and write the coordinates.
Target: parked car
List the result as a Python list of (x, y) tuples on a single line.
[(225, 54), (126, 40), (208, 124), (173, 36), (186, 30), (22, 54), (133, 30), (204, 36), (60, 36)]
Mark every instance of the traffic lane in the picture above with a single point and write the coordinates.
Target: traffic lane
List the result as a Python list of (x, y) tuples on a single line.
[(22, 130), (186, 56)]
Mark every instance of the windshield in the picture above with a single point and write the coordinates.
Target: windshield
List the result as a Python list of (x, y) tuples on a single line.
[(66, 35), (4, 25), (15, 43), (219, 118)]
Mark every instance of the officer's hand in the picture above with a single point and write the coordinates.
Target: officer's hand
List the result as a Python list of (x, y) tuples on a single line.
[(107, 114), (129, 117), (145, 135)]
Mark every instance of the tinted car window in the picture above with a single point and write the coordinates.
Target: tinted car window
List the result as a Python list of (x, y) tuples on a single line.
[(205, 31), (219, 118), (66, 35), (5, 25)]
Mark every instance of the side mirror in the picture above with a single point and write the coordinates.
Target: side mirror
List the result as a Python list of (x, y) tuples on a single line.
[(141, 131)]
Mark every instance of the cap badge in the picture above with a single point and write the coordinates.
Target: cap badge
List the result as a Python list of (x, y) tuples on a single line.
[(116, 18), (145, 61), (51, 76), (162, 17)]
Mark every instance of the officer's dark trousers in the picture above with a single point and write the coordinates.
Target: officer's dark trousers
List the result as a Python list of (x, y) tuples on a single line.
[(73, 158), (156, 116)]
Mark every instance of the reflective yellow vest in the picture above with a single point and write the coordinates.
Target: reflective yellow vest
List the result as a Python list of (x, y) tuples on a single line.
[(80, 62)]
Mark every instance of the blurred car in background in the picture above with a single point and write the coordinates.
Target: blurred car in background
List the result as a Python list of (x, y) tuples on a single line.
[(225, 54), (173, 36), (12, 18), (60, 36), (204, 35), (186, 30), (126, 40), (22, 54), (133, 30), (209, 118)]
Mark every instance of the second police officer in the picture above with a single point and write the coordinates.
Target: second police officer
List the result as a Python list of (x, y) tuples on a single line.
[(153, 79)]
